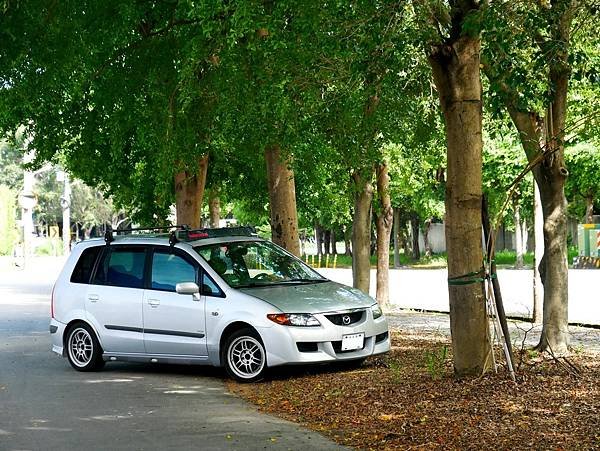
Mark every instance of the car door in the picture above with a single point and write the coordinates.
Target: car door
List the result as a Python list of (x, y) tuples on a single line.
[(174, 324), (113, 301)]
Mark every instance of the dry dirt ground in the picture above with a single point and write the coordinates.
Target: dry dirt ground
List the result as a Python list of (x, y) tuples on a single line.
[(409, 399)]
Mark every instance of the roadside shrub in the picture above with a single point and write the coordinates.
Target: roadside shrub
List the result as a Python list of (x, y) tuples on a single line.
[(8, 228), (50, 246)]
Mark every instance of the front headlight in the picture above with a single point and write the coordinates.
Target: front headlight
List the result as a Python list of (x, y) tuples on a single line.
[(376, 311), (294, 319)]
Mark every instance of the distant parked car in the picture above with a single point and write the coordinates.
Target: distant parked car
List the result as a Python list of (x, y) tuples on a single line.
[(221, 297)]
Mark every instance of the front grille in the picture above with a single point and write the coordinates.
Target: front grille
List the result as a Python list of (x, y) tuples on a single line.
[(381, 337), (353, 318), (307, 346)]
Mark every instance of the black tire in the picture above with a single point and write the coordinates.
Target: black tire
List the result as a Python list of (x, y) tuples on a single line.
[(83, 348), (244, 356)]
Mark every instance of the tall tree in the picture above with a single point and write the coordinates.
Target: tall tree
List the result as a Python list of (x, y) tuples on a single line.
[(538, 109), (454, 59), (384, 218)]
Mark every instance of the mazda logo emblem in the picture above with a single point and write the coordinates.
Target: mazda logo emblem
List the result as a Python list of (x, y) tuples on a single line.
[(346, 320)]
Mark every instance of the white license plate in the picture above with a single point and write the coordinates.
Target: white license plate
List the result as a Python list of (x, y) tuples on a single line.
[(353, 341)]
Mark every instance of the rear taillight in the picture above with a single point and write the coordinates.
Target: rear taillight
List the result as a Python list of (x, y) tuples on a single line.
[(52, 302)]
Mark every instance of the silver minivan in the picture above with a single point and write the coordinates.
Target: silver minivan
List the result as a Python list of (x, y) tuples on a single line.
[(221, 297)]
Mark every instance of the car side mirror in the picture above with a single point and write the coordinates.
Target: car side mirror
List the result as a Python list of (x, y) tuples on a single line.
[(188, 288)]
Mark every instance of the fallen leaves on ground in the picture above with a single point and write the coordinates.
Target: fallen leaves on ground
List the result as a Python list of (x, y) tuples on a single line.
[(410, 399)]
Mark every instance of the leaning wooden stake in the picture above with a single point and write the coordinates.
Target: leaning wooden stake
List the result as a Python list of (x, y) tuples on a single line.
[(491, 266)]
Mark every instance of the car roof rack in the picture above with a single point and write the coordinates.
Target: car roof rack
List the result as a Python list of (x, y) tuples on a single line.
[(150, 232), (179, 233)]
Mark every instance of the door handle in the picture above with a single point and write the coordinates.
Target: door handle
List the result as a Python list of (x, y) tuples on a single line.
[(154, 302), (93, 297)]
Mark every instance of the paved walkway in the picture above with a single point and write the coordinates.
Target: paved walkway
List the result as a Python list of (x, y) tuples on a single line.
[(427, 289)]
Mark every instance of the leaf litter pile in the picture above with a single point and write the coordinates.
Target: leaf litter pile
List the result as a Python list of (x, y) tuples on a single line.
[(409, 399)]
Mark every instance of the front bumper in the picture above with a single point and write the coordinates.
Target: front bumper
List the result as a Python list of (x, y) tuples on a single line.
[(57, 330), (297, 345)]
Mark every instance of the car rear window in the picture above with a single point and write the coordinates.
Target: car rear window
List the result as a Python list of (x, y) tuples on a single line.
[(85, 265)]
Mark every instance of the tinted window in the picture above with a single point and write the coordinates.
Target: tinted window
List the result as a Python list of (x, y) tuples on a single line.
[(209, 287), (85, 265), (169, 269), (122, 267)]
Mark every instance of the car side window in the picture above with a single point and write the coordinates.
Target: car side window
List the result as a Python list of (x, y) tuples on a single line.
[(85, 265), (209, 287), (122, 267), (170, 269)]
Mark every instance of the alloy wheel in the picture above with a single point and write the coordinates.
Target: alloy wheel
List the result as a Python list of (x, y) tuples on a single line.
[(246, 357), (81, 347)]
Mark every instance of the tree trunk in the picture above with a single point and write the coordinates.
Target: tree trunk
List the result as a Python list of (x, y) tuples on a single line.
[(282, 201), (333, 244), (589, 209), (524, 235), (214, 207), (361, 232), (347, 238), (189, 193), (396, 238), (554, 270), (538, 238), (426, 230), (327, 241), (457, 78), (550, 176), (303, 242), (319, 239), (414, 227), (384, 220), (518, 237), (404, 239)]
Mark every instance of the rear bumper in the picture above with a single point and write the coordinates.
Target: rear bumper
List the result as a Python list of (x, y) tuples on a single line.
[(57, 330)]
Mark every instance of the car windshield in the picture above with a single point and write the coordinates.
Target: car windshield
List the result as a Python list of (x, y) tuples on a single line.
[(245, 264)]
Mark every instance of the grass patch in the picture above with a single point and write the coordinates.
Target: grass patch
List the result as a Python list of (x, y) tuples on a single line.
[(50, 246), (504, 259)]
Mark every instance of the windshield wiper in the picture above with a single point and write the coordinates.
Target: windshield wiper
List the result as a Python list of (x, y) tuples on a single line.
[(253, 285), (281, 282), (304, 280)]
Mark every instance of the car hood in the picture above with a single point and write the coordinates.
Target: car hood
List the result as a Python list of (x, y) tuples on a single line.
[(311, 298)]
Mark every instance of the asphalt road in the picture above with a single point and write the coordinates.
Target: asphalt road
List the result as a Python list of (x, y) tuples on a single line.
[(46, 405)]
